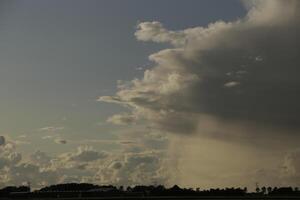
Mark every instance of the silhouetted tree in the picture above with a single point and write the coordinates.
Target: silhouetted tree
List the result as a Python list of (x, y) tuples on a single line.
[(269, 189), (263, 190), (86, 190), (257, 190)]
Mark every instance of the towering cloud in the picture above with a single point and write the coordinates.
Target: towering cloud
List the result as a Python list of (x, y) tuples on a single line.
[(235, 82), (246, 70)]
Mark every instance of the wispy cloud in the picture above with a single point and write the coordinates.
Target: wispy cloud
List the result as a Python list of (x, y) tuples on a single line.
[(51, 128)]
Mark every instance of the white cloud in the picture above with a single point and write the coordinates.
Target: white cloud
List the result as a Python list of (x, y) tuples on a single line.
[(231, 84), (52, 128), (154, 31)]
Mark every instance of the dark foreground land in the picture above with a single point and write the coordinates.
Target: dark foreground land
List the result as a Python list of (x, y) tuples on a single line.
[(170, 198), (85, 191)]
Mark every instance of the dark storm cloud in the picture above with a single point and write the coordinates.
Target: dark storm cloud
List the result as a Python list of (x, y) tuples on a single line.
[(246, 70)]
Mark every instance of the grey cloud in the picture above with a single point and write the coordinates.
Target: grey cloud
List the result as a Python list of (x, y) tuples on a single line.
[(195, 78), (234, 82), (60, 141), (122, 119), (86, 154), (116, 165)]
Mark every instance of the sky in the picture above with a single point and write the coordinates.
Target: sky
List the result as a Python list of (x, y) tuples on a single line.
[(196, 93)]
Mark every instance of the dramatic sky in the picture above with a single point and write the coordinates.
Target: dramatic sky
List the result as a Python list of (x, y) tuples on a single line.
[(200, 93)]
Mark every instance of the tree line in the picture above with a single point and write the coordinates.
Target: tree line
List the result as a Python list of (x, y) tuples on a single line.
[(77, 190)]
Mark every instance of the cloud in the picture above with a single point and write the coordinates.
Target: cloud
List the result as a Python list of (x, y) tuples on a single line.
[(29, 172), (116, 165), (122, 166), (193, 78), (51, 128), (21, 142), (85, 164), (8, 155), (144, 140), (135, 168), (122, 119), (86, 154), (231, 84), (48, 137), (154, 31), (60, 141), (212, 82), (234, 82), (40, 158)]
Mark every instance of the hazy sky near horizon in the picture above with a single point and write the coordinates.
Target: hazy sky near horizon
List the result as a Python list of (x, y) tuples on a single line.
[(191, 92)]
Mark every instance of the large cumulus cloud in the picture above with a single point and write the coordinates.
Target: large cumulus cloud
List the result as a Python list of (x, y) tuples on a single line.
[(232, 82), (245, 70)]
